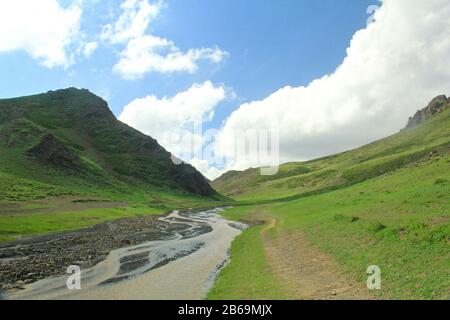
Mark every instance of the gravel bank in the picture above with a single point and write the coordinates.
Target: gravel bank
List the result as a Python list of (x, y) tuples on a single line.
[(28, 260)]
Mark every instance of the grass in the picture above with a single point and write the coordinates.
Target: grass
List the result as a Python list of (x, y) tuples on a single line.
[(53, 214), (6, 238), (386, 204), (248, 275), (399, 221), (14, 226)]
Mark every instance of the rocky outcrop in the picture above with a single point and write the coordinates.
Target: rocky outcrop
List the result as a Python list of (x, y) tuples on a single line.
[(52, 152), (437, 105)]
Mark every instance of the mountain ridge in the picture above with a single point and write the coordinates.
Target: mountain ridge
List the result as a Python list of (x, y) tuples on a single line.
[(437, 105)]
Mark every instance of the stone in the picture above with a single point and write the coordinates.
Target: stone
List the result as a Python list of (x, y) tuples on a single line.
[(437, 105)]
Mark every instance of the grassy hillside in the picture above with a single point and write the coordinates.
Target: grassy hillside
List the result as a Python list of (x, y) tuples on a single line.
[(385, 204), (70, 139), (68, 144), (372, 160)]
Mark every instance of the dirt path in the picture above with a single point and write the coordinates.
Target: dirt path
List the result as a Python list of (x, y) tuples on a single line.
[(305, 271)]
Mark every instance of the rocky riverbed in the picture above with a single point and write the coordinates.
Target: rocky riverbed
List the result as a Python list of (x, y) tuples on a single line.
[(175, 256), (28, 260)]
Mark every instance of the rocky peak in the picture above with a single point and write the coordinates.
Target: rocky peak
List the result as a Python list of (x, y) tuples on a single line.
[(437, 105)]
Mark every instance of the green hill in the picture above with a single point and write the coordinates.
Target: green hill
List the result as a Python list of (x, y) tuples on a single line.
[(68, 142), (385, 204), (379, 158), (66, 162)]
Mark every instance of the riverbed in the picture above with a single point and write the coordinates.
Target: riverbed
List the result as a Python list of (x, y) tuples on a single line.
[(181, 263)]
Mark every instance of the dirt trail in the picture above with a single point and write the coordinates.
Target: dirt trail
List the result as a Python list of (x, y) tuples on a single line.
[(305, 271)]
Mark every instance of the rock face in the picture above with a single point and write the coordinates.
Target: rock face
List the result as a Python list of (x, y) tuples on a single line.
[(50, 151), (438, 104)]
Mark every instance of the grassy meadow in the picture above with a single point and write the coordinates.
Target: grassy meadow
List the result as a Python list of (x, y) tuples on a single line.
[(26, 218), (399, 221)]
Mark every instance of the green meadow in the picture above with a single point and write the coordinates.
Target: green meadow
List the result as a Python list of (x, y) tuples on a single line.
[(391, 210), (400, 222)]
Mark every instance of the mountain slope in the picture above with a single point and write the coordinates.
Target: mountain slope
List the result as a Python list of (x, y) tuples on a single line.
[(385, 204), (69, 142), (429, 135)]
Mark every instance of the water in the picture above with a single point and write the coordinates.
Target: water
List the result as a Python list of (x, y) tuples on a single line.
[(182, 265)]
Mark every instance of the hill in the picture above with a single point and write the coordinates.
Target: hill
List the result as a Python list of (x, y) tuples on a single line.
[(428, 132), (385, 204), (68, 142)]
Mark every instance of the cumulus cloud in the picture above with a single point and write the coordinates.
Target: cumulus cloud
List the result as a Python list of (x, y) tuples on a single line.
[(144, 52), (176, 121), (42, 28), (394, 66)]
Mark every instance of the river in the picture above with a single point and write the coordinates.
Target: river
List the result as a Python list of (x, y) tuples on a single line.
[(178, 266)]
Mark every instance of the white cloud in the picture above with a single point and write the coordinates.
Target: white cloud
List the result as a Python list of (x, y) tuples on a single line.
[(172, 121), (153, 54), (394, 66), (203, 166), (89, 48), (42, 28), (145, 52), (134, 21)]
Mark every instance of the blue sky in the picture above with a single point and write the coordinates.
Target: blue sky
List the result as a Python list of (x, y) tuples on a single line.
[(316, 72), (270, 43)]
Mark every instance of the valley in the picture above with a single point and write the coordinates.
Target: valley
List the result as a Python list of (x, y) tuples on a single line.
[(79, 187), (384, 204)]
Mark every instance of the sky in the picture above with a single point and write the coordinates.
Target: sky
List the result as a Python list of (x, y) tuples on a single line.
[(201, 76)]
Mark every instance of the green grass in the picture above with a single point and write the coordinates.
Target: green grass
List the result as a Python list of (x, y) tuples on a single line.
[(6, 238), (14, 226), (248, 275), (53, 216), (399, 221), (240, 212)]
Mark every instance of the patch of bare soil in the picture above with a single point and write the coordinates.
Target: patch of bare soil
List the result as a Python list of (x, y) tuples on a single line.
[(305, 271)]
